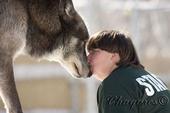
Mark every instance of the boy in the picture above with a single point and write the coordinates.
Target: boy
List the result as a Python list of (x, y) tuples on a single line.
[(126, 86)]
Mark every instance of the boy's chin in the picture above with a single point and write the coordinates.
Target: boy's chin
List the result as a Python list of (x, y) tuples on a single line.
[(97, 77)]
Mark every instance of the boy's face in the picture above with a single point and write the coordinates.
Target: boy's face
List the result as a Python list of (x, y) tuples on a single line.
[(101, 62)]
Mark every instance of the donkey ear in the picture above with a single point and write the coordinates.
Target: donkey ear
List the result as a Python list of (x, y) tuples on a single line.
[(67, 10)]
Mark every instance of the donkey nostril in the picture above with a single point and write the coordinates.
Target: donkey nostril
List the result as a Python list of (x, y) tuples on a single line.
[(76, 68)]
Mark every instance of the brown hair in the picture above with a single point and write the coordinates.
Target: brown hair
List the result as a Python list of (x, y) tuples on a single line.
[(114, 41)]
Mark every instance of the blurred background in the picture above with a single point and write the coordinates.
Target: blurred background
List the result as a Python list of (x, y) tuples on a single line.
[(46, 87)]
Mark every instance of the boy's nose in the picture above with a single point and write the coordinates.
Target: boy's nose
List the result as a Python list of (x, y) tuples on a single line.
[(89, 58)]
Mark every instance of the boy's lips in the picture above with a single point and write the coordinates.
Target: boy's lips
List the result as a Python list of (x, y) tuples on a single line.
[(90, 74), (91, 70)]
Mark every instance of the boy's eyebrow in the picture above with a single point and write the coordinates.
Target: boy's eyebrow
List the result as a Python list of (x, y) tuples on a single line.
[(95, 50)]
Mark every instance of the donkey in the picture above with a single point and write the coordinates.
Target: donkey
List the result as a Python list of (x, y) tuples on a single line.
[(44, 29)]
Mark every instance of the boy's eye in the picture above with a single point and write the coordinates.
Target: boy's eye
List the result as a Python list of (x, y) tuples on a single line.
[(95, 51)]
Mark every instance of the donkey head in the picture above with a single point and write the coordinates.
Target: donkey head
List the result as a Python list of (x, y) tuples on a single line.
[(72, 53)]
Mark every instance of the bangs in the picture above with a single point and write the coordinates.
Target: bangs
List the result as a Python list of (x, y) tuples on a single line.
[(103, 40)]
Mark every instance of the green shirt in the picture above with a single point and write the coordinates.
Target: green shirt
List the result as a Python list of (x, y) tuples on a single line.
[(132, 90)]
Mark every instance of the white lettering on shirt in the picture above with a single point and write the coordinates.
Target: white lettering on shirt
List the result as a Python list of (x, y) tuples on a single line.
[(150, 81)]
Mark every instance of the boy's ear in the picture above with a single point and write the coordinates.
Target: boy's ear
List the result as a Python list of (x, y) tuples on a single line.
[(115, 57)]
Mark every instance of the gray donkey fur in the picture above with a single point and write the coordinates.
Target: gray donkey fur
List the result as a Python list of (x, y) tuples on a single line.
[(44, 29)]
